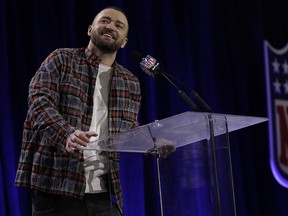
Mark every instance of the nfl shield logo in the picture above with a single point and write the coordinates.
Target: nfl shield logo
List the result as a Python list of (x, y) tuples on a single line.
[(149, 61), (276, 66)]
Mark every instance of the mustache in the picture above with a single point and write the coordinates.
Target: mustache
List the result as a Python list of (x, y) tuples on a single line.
[(109, 31)]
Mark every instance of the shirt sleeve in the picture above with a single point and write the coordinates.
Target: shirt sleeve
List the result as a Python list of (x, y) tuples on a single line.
[(43, 101)]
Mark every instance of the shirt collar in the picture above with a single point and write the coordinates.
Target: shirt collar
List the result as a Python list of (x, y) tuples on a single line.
[(91, 57)]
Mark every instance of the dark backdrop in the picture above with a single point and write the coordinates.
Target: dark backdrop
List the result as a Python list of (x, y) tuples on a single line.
[(214, 46)]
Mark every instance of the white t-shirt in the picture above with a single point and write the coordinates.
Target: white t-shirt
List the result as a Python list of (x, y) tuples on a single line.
[(96, 162)]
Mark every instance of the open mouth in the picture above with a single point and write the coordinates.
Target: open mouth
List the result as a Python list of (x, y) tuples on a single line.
[(107, 35)]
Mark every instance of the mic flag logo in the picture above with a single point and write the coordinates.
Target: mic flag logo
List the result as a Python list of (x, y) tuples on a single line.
[(149, 65), (276, 67)]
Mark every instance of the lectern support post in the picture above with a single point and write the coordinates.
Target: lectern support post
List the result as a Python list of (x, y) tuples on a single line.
[(214, 164), (160, 187)]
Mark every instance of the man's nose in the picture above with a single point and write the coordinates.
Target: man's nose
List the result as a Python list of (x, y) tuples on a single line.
[(110, 26)]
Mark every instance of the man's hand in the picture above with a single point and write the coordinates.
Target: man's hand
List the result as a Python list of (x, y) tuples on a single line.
[(78, 139), (165, 147)]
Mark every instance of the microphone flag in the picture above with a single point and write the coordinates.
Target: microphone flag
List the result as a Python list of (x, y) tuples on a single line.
[(150, 66)]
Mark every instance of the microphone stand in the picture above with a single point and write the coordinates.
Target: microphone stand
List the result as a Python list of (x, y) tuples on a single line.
[(212, 139), (195, 108), (203, 104), (183, 94), (211, 128)]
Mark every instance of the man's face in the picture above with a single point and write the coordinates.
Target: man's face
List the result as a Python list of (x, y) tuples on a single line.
[(109, 30)]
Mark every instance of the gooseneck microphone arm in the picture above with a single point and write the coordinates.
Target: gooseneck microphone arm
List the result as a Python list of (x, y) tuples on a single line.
[(152, 67), (203, 104), (183, 94)]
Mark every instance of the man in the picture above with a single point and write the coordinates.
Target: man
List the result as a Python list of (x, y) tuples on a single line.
[(75, 96)]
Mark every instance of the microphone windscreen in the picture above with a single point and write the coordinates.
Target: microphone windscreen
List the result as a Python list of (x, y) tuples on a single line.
[(136, 56)]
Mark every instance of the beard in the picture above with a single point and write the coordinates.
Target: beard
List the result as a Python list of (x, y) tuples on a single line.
[(104, 45)]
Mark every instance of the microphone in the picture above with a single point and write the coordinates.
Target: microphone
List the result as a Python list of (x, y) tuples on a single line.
[(151, 66)]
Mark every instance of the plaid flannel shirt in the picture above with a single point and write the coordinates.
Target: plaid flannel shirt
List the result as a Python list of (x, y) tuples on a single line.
[(60, 101)]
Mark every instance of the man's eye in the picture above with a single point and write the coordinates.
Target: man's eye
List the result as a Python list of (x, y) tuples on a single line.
[(119, 26), (104, 21)]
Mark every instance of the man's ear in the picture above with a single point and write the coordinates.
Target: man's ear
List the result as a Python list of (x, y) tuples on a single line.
[(124, 42), (89, 30)]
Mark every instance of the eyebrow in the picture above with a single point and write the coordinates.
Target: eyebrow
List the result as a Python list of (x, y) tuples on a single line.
[(117, 21)]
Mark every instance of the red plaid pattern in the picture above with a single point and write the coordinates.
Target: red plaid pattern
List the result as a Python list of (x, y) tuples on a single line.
[(60, 101)]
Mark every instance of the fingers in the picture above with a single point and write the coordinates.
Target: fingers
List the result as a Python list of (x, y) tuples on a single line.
[(70, 145), (78, 139), (90, 134), (164, 146), (166, 150)]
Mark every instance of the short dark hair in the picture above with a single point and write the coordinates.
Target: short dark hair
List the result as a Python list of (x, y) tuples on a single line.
[(116, 8)]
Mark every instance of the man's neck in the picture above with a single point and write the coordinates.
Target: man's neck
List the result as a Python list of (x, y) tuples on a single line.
[(106, 58)]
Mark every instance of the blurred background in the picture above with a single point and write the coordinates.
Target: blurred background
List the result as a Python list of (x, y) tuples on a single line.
[(214, 46)]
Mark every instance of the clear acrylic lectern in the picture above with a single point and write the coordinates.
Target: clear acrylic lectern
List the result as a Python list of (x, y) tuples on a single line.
[(202, 182)]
